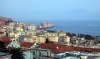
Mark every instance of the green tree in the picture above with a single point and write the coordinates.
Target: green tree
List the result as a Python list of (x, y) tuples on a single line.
[(73, 34), (2, 46), (81, 35), (90, 37), (69, 34), (16, 53), (47, 41)]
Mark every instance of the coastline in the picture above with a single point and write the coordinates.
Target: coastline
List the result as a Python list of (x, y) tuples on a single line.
[(80, 27)]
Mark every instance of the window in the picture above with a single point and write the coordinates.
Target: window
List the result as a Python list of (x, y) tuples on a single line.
[(33, 57), (5, 58), (33, 53), (39, 53), (44, 54)]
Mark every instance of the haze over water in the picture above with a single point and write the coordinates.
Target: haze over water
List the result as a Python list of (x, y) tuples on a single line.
[(51, 9), (76, 16), (82, 27)]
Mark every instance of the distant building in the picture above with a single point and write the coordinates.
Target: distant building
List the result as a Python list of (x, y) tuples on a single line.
[(97, 38), (62, 34), (67, 40), (2, 23), (40, 39), (2, 34), (52, 34), (53, 39)]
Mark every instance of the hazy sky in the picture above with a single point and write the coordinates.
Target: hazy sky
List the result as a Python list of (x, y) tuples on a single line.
[(51, 9)]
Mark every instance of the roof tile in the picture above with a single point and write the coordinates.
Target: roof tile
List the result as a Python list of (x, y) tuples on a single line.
[(26, 44)]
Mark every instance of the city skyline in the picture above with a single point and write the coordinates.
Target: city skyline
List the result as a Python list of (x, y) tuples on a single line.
[(51, 9)]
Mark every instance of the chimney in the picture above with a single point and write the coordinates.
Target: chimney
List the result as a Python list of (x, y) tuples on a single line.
[(57, 47)]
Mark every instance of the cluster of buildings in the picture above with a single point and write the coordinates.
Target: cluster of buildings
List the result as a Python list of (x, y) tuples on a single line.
[(47, 44), (45, 25), (51, 50), (4, 20)]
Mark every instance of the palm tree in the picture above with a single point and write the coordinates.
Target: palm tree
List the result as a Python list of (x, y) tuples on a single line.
[(16, 53)]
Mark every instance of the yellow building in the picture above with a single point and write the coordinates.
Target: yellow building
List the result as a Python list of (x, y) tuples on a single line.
[(82, 39), (52, 34), (30, 33), (53, 38), (32, 27), (2, 34), (67, 40), (62, 34), (19, 29), (41, 39), (11, 34)]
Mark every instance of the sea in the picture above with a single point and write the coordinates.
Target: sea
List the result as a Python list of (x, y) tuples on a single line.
[(91, 27)]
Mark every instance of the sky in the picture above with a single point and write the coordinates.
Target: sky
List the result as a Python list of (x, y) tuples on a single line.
[(51, 9)]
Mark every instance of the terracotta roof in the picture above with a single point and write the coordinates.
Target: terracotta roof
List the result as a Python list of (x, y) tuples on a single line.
[(50, 46), (55, 48), (63, 49), (89, 49), (6, 38), (7, 42), (26, 44), (59, 48), (2, 23)]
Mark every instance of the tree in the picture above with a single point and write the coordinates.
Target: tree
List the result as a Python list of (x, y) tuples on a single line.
[(69, 34), (16, 53), (81, 35), (89, 37), (2, 46), (47, 41), (73, 34)]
